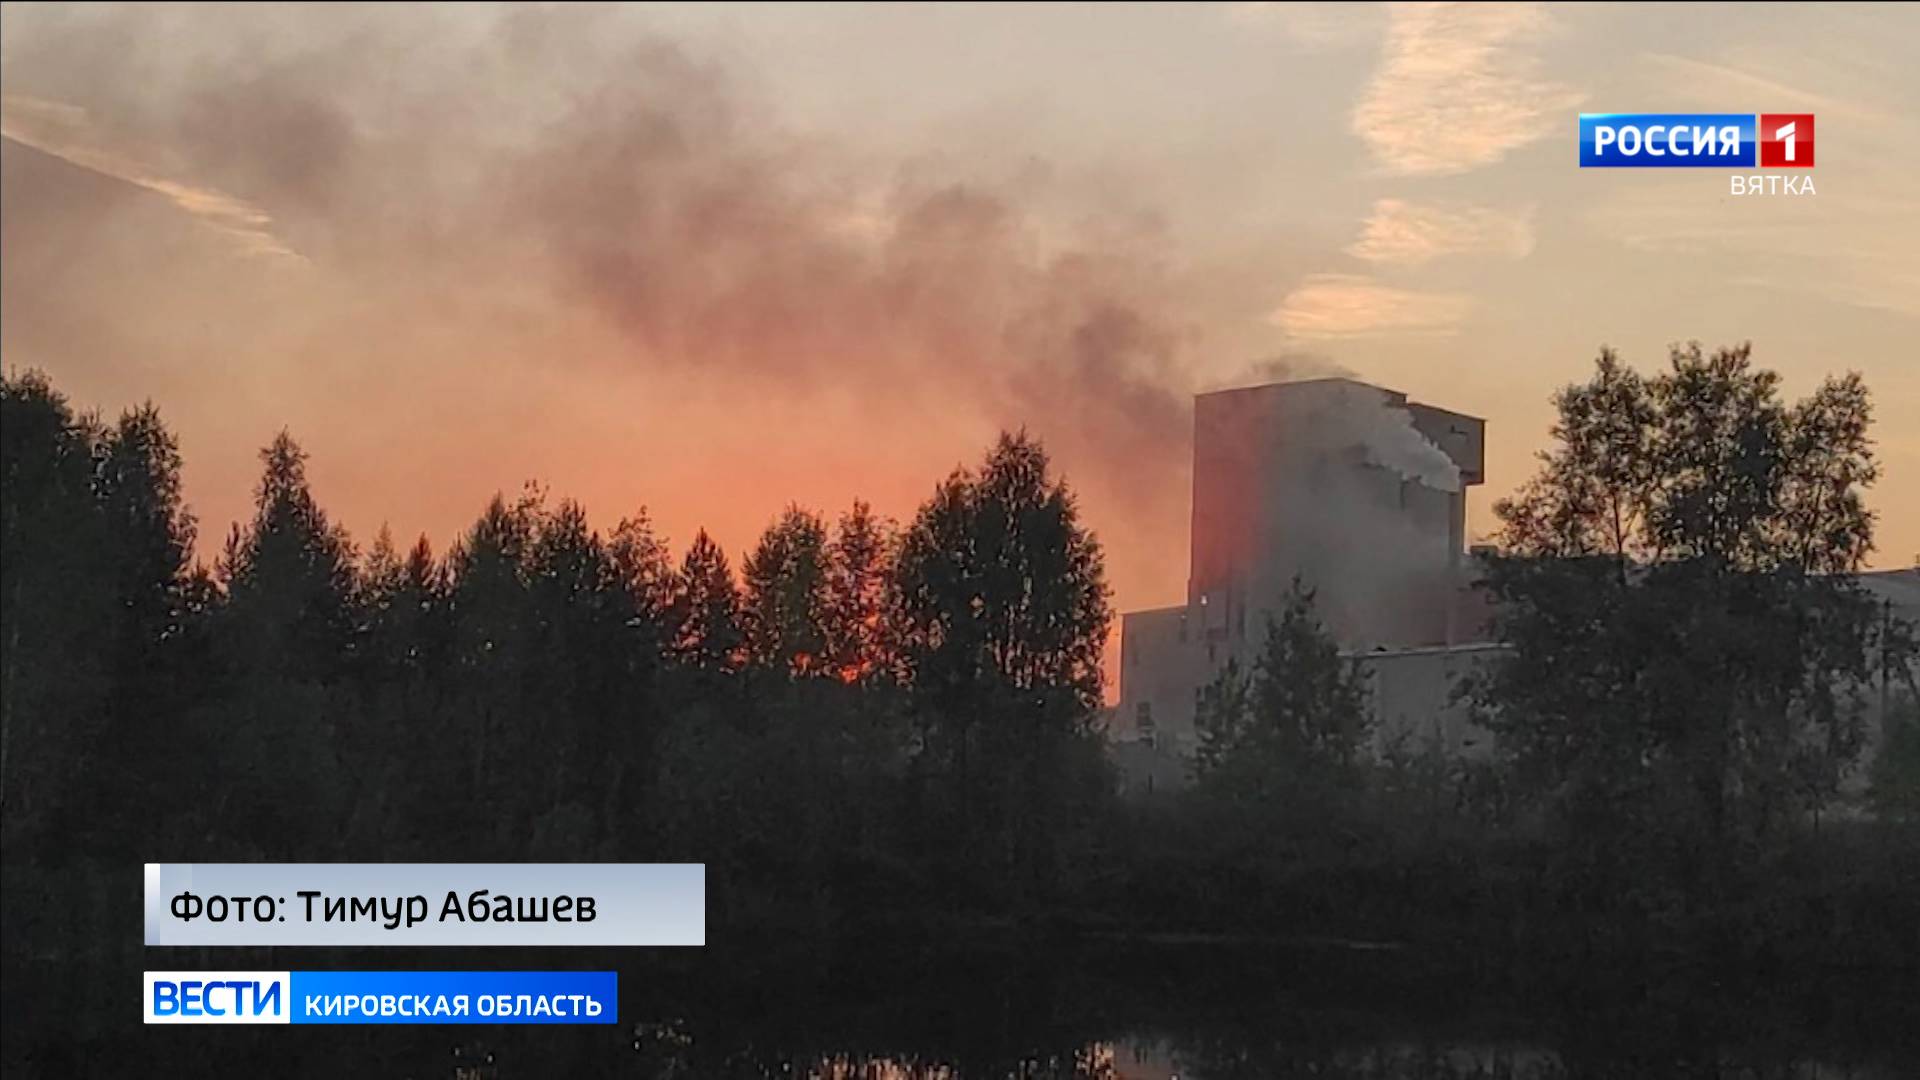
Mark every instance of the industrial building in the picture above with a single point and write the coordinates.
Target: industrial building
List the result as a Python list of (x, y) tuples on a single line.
[(1362, 494)]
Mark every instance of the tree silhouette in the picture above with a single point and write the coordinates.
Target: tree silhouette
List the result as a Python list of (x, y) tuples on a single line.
[(704, 612), (57, 605), (1300, 713), (1688, 664), (289, 574), (1001, 615), (855, 627), (643, 569), (786, 595)]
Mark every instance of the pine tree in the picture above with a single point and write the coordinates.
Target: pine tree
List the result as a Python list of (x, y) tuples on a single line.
[(785, 602), (289, 573), (704, 614), (1299, 714), (854, 618)]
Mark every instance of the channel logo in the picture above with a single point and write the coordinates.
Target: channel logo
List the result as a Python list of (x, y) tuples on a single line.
[(380, 997), (1696, 140), (1786, 140), (217, 997)]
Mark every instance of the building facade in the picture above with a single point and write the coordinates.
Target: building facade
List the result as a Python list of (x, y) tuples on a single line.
[(1361, 495)]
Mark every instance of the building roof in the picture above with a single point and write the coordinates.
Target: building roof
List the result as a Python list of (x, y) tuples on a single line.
[(1899, 587), (1396, 397), (1296, 382)]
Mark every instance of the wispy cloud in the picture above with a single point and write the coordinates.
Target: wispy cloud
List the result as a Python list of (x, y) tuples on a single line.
[(1328, 306), (1458, 87), (1699, 82), (1320, 25), (1800, 246), (1403, 233), (63, 130)]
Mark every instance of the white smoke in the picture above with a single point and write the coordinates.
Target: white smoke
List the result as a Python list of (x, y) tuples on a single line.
[(1393, 442)]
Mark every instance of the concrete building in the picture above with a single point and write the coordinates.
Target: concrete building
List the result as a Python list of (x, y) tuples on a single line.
[(1362, 495), (1352, 487)]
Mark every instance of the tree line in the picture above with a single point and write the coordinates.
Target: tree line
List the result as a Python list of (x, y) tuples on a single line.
[(541, 690), (871, 725)]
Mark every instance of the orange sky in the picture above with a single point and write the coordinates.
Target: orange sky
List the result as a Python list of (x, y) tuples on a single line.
[(715, 260)]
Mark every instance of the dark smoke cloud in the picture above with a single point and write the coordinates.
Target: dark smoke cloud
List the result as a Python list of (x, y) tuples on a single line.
[(536, 178)]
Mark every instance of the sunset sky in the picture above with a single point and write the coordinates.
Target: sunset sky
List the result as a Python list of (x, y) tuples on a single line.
[(711, 260)]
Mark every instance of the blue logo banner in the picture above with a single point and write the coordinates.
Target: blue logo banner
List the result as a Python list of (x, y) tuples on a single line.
[(1667, 140)]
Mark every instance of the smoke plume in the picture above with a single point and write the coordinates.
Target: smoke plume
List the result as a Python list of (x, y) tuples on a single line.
[(1393, 442), (451, 248)]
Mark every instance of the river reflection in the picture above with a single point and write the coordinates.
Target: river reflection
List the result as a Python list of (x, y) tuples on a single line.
[(1153, 1059), (1140, 1060), (672, 1053), (1122, 1012)]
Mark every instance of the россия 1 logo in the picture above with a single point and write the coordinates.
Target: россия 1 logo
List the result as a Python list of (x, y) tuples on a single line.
[(1696, 140), (1786, 140)]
